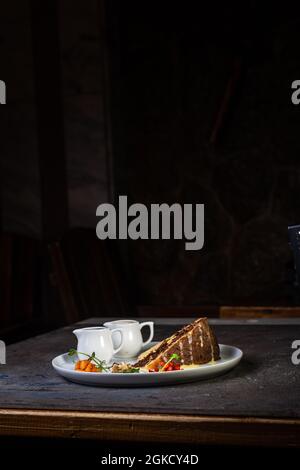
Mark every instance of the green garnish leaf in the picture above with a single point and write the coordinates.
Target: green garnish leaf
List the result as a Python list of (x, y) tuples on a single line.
[(72, 352), (174, 356), (101, 365)]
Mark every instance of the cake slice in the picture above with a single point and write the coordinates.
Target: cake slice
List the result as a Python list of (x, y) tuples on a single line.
[(194, 344)]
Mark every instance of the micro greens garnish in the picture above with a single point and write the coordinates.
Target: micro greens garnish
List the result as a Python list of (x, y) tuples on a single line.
[(91, 357), (173, 356)]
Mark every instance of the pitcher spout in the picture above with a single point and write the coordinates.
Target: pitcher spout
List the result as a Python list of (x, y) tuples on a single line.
[(77, 333)]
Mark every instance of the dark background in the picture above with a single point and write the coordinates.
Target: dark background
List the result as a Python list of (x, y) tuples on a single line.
[(163, 102)]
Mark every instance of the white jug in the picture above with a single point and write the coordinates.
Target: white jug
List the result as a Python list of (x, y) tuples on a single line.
[(131, 343), (97, 340)]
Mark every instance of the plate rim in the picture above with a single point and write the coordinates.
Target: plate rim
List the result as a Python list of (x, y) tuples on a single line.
[(146, 374)]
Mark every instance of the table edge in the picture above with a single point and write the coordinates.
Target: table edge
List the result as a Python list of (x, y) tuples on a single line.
[(181, 321), (151, 427)]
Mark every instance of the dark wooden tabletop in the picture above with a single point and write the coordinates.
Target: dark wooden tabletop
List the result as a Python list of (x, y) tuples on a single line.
[(256, 403)]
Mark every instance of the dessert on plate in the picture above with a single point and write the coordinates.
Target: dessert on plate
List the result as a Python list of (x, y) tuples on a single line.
[(191, 346), (194, 344)]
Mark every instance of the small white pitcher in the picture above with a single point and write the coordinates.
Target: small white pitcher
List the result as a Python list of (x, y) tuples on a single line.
[(98, 340), (132, 340)]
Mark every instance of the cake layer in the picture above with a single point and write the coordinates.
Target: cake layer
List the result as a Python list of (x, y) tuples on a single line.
[(193, 344)]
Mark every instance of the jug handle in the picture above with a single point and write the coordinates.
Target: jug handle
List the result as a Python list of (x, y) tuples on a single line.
[(122, 338), (150, 324)]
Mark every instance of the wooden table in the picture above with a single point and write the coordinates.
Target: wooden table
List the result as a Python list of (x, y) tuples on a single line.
[(257, 403)]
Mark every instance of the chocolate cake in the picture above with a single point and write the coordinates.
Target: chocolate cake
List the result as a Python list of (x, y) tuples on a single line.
[(193, 344)]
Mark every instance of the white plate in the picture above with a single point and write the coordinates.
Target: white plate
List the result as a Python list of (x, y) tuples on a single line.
[(230, 357)]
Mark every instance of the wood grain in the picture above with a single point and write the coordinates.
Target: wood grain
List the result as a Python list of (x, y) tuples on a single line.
[(259, 312), (151, 428)]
